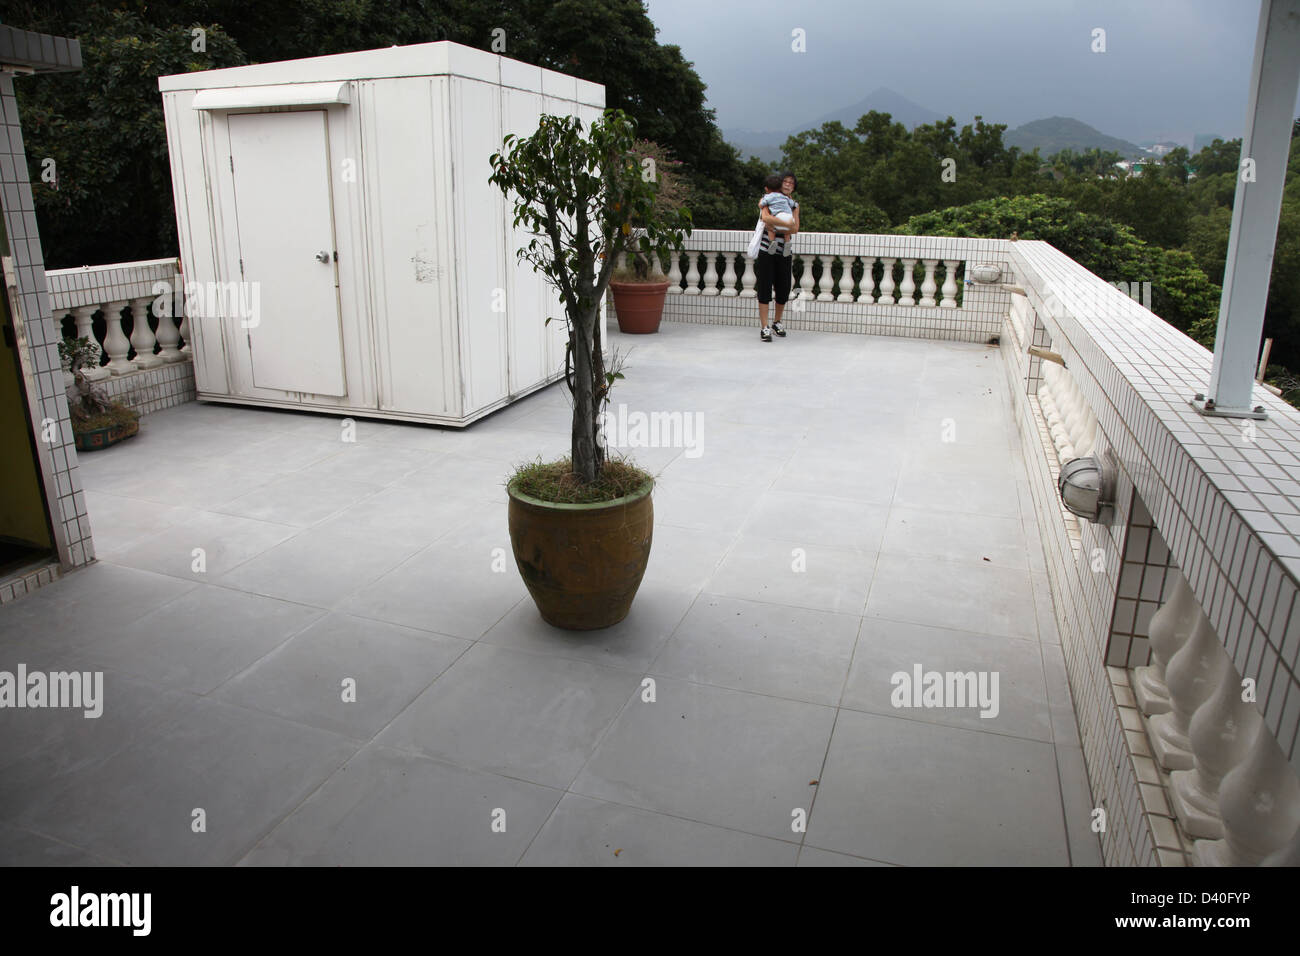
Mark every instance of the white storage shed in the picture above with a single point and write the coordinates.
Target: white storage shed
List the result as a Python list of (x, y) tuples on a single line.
[(341, 245)]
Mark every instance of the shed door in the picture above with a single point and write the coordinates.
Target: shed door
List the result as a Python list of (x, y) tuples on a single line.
[(284, 210)]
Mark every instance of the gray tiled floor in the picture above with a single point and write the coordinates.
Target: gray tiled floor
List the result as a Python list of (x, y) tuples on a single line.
[(354, 673)]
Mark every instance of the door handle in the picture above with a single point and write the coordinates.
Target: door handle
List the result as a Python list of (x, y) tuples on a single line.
[(322, 257)]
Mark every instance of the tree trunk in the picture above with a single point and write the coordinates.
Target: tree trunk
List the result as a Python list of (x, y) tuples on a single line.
[(583, 449)]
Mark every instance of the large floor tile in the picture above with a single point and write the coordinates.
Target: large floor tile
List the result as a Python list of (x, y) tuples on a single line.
[(201, 640), (24, 848), (704, 507), (390, 808), (630, 644), (41, 748), (816, 519), (345, 674), (966, 595), (293, 500), (886, 648), (918, 794), (731, 759), (460, 586), (586, 832), (532, 716), (222, 541), (307, 568), (244, 770), (768, 649), (802, 575), (957, 537)]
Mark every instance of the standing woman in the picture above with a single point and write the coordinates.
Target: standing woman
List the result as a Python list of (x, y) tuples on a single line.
[(773, 266)]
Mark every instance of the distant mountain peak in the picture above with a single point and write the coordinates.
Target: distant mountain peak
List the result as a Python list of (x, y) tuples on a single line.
[(1055, 133)]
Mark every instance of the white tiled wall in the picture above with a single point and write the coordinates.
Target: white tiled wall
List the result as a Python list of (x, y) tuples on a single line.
[(1223, 493)]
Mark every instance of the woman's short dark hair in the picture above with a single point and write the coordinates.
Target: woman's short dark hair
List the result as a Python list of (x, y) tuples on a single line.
[(789, 175), (773, 183)]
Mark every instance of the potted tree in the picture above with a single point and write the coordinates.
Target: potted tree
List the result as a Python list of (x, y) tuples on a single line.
[(639, 291), (97, 421), (581, 527)]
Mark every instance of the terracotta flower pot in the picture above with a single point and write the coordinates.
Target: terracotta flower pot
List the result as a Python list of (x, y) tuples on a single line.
[(639, 305), (582, 563)]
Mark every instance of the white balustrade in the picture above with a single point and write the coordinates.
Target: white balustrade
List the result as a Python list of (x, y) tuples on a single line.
[(868, 283), (168, 335), (824, 280), (1168, 631), (797, 290), (887, 282), (692, 273), (729, 273), (1221, 733), (710, 273), (1259, 802), (747, 278), (1192, 676), (824, 277), (116, 344), (928, 286), (674, 273), (907, 289), (846, 279), (142, 337), (949, 300)]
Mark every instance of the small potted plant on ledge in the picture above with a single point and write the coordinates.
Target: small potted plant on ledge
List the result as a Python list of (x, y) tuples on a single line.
[(639, 291), (581, 527), (97, 421)]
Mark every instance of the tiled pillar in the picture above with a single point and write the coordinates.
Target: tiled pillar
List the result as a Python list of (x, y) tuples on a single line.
[(71, 527)]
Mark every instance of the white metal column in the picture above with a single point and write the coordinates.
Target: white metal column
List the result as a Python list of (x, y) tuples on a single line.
[(1261, 174)]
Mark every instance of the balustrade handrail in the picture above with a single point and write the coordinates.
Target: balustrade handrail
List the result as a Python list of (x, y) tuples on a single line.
[(112, 288)]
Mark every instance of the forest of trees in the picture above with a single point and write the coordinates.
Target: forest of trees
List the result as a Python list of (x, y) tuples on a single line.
[(104, 129)]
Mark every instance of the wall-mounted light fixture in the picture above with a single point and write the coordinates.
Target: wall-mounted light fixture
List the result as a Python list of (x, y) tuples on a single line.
[(1087, 486)]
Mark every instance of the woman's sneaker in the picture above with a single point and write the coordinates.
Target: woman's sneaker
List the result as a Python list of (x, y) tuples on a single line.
[(765, 334), (778, 329)]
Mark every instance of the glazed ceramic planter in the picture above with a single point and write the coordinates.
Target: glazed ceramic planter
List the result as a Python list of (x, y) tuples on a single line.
[(582, 563)]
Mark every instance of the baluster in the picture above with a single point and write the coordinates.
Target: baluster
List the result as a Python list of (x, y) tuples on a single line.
[(1221, 732), (1259, 801), (621, 264), (747, 278), (949, 300), (824, 280), (729, 273), (867, 284), (1192, 676), (908, 287), (710, 273), (887, 283), (83, 316), (846, 279), (928, 286), (674, 273), (168, 337), (142, 339), (116, 344), (693, 273), (798, 291)]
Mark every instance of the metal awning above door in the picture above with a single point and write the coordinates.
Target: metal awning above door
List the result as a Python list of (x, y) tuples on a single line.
[(282, 94)]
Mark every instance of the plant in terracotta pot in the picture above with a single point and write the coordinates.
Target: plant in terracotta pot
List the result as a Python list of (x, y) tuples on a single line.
[(639, 290), (581, 527), (97, 421)]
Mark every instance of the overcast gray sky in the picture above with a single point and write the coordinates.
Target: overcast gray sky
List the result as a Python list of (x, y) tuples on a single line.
[(1172, 68)]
